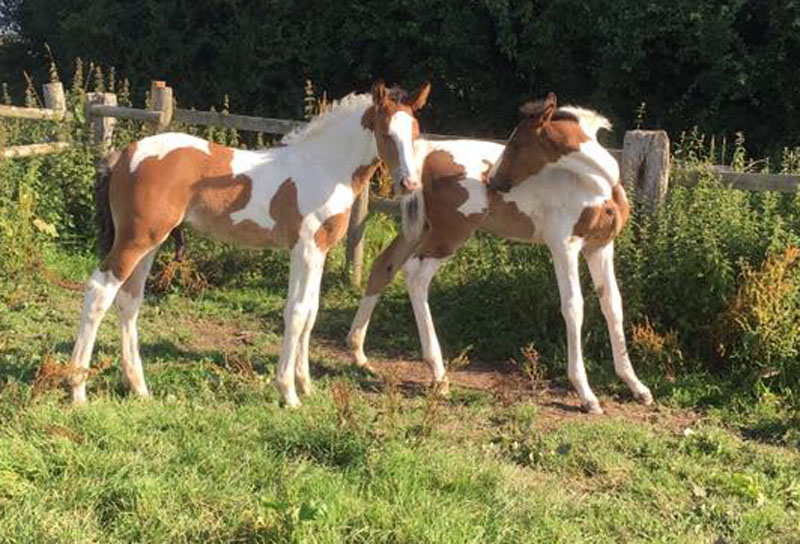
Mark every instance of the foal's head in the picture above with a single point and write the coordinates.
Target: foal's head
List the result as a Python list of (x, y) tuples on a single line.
[(392, 120), (543, 135)]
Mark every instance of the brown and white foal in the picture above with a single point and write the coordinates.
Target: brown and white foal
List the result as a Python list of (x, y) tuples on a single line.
[(552, 184), (296, 197)]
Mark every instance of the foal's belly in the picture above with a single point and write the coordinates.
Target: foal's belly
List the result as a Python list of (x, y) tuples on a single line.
[(229, 213)]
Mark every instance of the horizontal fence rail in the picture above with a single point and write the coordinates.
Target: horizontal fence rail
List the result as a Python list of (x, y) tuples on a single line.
[(39, 114), (30, 150)]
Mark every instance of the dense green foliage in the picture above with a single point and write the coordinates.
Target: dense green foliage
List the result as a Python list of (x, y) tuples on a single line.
[(726, 65)]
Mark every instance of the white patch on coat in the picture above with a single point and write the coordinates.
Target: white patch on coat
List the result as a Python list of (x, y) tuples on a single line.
[(319, 162), (161, 144), (477, 201)]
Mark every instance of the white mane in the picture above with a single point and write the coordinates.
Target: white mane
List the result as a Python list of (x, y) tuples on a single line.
[(590, 121), (338, 110)]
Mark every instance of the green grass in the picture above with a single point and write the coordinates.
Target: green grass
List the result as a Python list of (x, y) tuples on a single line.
[(212, 458)]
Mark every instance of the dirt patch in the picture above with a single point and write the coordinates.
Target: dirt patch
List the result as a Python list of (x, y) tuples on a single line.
[(508, 385)]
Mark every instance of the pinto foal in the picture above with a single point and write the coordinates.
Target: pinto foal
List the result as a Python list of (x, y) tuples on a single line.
[(552, 184), (296, 197)]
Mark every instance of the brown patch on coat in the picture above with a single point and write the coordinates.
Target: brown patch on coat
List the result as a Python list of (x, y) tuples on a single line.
[(332, 230), (187, 182), (542, 137), (362, 175), (447, 227), (599, 225), (507, 221)]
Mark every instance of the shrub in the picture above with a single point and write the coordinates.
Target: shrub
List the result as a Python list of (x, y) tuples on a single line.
[(758, 332)]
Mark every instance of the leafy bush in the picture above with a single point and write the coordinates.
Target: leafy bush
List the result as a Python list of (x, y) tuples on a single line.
[(758, 332), (730, 65)]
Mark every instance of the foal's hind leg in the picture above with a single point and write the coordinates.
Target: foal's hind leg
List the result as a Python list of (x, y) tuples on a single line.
[(384, 269), (305, 274), (101, 288), (129, 300), (419, 273), (601, 266), (565, 259)]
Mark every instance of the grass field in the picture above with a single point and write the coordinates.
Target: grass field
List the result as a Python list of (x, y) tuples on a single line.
[(212, 458)]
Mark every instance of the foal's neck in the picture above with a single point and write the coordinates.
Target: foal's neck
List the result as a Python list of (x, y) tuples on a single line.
[(339, 150)]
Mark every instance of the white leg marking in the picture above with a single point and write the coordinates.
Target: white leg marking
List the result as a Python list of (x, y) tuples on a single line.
[(601, 266), (358, 329), (419, 273), (565, 260), (302, 371), (129, 300), (304, 278), (101, 288)]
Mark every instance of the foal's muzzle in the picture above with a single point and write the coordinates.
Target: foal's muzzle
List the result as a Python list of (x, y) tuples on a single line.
[(407, 185), (498, 183)]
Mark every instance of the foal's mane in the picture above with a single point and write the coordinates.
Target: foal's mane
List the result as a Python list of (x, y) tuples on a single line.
[(338, 110), (589, 120)]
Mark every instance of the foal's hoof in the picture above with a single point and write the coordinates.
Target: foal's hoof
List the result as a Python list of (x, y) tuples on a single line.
[(645, 397), (305, 387), (592, 407), (442, 388), (366, 367), (289, 398), (291, 404), (78, 398)]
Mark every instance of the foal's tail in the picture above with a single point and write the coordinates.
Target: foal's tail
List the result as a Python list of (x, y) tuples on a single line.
[(105, 223), (412, 211)]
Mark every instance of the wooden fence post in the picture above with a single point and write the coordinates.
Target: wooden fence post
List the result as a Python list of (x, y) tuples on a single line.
[(355, 237), (54, 98), (645, 166), (161, 98), (103, 126)]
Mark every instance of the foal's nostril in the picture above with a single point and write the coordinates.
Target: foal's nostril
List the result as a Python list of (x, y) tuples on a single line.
[(409, 184), (500, 184)]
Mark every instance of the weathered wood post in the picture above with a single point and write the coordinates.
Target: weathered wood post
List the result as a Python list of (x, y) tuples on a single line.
[(355, 237), (161, 98), (103, 127), (54, 98), (645, 166)]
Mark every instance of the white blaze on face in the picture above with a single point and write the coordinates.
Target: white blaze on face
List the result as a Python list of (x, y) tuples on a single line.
[(401, 131)]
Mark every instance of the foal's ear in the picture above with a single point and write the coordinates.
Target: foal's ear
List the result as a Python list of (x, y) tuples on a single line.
[(379, 94), (540, 111), (417, 102)]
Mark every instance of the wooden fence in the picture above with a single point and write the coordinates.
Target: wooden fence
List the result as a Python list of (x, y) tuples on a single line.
[(644, 159)]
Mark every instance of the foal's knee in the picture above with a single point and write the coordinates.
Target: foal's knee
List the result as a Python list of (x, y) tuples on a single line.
[(295, 314), (572, 309)]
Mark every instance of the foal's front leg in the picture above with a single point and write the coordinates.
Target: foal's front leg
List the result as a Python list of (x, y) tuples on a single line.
[(302, 371), (305, 273), (565, 259), (601, 266)]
